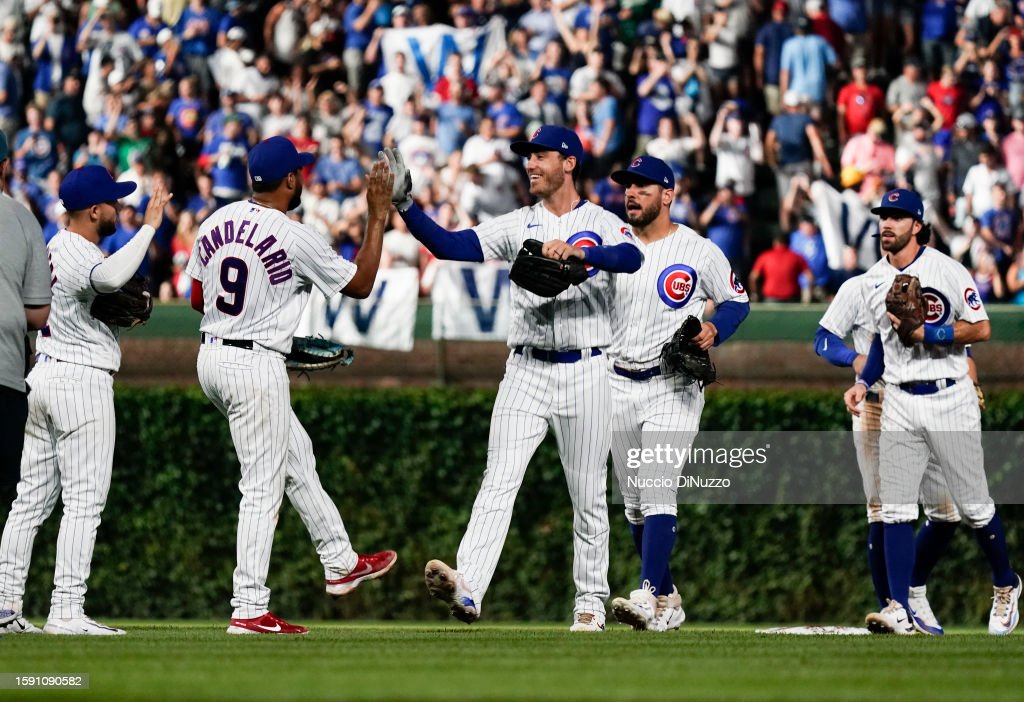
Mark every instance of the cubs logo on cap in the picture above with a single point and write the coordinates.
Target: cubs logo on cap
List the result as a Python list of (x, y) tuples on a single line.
[(584, 240), (550, 137), (646, 170), (901, 203), (676, 285)]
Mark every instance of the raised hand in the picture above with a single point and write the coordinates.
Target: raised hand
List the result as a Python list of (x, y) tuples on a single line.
[(154, 216), (380, 185)]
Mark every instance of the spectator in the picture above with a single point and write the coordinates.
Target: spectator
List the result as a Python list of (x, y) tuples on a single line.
[(979, 182), (197, 28), (737, 147), (804, 64), (203, 203), (454, 72), (722, 38), (938, 30), (870, 153), (359, 26), (537, 109), (905, 92), (1000, 227), (422, 155), (302, 137), (724, 220), (858, 102), (285, 26), (679, 152), (399, 86), (1015, 280), (186, 116), (180, 285), (35, 148), (991, 94), (456, 120), (964, 153), (128, 224), (145, 29), (214, 123), (793, 144), (606, 126), (227, 65), (540, 27), (584, 78), (918, 164), (991, 127), (987, 279), (65, 116), (1013, 150), (10, 99), (656, 97), (508, 122), (375, 119), (806, 240), (552, 70), (225, 159), (775, 276), (825, 27), (279, 121), (768, 54), (947, 96), (684, 208), (341, 173)]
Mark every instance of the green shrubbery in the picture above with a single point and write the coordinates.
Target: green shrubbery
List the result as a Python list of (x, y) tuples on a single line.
[(404, 467)]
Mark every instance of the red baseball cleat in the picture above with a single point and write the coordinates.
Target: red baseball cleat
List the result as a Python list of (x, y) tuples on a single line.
[(269, 623), (367, 568)]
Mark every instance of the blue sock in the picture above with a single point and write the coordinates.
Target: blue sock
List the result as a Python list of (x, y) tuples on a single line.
[(659, 538), (993, 542), (637, 530), (876, 562), (932, 541), (899, 560), (666, 582)]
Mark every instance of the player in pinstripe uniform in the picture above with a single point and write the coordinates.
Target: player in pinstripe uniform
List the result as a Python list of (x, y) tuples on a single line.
[(556, 375), (253, 269), (848, 316), (681, 272), (69, 438), (930, 410)]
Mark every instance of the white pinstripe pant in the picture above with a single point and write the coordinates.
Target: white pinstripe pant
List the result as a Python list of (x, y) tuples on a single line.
[(647, 413), (574, 400), (944, 427), (69, 451), (251, 389)]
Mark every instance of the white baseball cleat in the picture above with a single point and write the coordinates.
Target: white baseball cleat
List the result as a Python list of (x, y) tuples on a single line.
[(921, 613), (639, 610), (670, 614), (588, 621), (1005, 613), (80, 626), (894, 619), (7, 615), (19, 625), (449, 586)]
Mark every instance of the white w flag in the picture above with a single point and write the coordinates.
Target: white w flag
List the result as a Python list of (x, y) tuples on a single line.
[(428, 48)]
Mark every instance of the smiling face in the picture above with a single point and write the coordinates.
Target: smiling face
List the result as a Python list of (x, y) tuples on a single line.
[(548, 171), (644, 202)]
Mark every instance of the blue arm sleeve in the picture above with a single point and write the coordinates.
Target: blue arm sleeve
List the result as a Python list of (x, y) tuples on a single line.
[(875, 365), (461, 245), (621, 258), (832, 349), (727, 318)]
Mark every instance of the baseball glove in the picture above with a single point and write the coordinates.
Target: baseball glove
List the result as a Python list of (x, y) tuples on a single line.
[(905, 301), (682, 358), (545, 276), (312, 354), (128, 307)]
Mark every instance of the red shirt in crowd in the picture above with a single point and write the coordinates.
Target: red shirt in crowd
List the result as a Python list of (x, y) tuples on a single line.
[(862, 103), (949, 101), (779, 268)]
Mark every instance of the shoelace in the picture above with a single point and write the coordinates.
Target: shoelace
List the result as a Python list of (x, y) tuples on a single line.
[(1002, 597), (646, 585), (892, 607)]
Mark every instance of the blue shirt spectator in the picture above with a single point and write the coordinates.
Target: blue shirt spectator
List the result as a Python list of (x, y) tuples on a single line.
[(144, 31), (851, 15), (38, 152), (938, 20), (126, 229), (659, 102), (342, 174), (611, 197), (791, 131), (198, 29), (10, 96), (808, 242), (188, 116), (226, 158), (357, 38), (454, 124), (726, 231), (607, 109), (506, 118), (806, 58), (770, 38), (557, 80), (377, 117)]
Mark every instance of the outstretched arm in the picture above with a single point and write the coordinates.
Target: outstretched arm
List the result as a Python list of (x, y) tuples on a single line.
[(378, 200)]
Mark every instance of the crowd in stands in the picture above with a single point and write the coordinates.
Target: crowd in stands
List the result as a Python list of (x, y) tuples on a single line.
[(754, 103)]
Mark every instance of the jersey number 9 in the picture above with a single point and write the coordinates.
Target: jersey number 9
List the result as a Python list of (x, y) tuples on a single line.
[(234, 274)]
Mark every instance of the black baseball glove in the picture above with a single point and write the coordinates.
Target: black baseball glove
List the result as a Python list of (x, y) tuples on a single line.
[(545, 276), (312, 354), (128, 307), (682, 358)]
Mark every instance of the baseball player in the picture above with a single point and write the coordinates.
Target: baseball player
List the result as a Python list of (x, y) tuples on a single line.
[(680, 273), (69, 438), (848, 316), (556, 374), (930, 410), (253, 269)]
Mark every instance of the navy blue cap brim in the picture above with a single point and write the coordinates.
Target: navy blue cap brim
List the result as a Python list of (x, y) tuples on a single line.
[(626, 177), (124, 189), (306, 159), (899, 211)]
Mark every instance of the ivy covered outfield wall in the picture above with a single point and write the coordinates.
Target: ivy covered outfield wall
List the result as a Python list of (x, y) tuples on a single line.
[(404, 467)]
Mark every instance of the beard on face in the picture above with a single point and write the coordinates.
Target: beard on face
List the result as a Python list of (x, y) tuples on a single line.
[(107, 226), (644, 216), (898, 242), (548, 183), (297, 195)]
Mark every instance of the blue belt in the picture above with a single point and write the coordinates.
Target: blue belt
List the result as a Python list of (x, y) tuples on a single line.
[(929, 388), (570, 356), (642, 374)]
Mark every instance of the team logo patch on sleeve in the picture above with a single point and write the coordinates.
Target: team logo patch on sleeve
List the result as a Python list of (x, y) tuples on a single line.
[(584, 240), (676, 285), (626, 233), (737, 286), (936, 306), (972, 299)]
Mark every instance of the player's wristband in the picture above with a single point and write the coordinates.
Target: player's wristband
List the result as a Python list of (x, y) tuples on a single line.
[(861, 381), (404, 204), (940, 335)]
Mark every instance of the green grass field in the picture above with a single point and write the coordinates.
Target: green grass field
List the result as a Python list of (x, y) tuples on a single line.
[(361, 661)]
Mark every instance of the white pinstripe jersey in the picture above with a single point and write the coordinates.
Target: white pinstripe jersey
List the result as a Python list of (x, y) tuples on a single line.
[(848, 315), (579, 317), (679, 274), (950, 295), (257, 268), (71, 333)]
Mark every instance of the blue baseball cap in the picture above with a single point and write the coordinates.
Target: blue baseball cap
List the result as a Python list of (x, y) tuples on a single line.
[(274, 158), (646, 170), (90, 185), (900, 202), (550, 137)]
